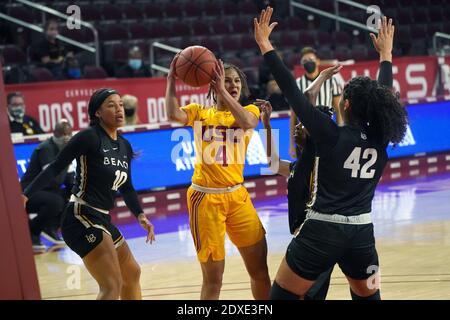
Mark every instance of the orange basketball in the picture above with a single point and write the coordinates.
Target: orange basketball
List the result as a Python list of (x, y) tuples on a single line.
[(195, 66)]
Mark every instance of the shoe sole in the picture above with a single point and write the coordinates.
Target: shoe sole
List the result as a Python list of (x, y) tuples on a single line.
[(51, 239)]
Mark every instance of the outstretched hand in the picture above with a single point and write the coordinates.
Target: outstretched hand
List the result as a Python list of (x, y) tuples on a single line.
[(266, 111), (331, 71), (263, 28), (384, 41)]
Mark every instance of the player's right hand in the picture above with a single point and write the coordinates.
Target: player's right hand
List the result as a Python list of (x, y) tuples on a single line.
[(266, 111), (262, 27), (331, 71), (172, 72), (383, 42)]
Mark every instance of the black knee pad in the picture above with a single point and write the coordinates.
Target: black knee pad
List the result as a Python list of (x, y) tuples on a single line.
[(375, 296), (278, 293)]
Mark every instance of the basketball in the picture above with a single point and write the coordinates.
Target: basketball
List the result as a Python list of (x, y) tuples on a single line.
[(195, 66)]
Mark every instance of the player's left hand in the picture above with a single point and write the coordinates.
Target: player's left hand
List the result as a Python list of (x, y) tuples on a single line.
[(218, 83), (148, 226), (384, 41)]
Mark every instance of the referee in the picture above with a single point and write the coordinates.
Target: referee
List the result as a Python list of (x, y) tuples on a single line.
[(328, 95)]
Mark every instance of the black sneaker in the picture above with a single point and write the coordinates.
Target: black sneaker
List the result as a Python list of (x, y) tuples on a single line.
[(38, 246), (53, 236)]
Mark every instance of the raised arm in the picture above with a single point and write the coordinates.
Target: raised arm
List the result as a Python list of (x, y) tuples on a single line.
[(244, 119), (172, 107), (272, 155), (383, 44), (320, 127)]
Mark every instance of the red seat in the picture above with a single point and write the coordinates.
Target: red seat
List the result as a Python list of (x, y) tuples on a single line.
[(111, 12), (153, 10), (220, 27), (41, 74), (93, 72), (14, 55), (173, 10), (132, 12), (200, 28), (139, 31)]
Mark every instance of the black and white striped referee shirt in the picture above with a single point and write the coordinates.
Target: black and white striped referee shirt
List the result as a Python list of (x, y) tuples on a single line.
[(330, 88)]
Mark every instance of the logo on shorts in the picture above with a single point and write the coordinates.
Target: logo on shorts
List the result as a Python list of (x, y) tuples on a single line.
[(91, 238)]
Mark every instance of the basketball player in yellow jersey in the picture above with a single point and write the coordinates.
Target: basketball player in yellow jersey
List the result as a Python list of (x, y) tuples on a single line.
[(217, 200)]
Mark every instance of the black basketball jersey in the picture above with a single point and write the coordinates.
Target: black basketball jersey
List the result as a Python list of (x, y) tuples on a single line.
[(345, 175), (348, 163), (103, 168)]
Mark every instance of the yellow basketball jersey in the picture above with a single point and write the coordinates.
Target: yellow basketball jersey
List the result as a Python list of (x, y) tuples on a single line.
[(220, 145)]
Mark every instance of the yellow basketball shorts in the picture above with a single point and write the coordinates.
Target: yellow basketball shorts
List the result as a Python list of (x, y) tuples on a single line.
[(211, 215)]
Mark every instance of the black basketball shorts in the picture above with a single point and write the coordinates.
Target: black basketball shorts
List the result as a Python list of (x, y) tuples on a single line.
[(83, 227), (321, 244)]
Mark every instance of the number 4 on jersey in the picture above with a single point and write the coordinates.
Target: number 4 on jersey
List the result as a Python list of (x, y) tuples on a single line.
[(353, 163)]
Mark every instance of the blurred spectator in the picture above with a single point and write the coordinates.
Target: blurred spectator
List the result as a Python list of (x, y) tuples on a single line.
[(130, 104), (48, 203), (19, 122), (276, 98), (50, 51), (72, 69), (135, 67)]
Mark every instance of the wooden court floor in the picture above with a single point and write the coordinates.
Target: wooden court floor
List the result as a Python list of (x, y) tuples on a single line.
[(414, 259)]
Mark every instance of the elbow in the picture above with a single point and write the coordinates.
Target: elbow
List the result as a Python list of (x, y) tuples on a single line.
[(172, 117), (250, 123)]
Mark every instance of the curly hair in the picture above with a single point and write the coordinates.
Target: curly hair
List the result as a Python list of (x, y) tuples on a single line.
[(376, 109), (245, 91)]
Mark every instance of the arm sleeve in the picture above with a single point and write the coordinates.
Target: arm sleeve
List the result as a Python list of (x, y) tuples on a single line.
[(81, 143), (385, 75), (192, 111), (128, 192), (321, 127)]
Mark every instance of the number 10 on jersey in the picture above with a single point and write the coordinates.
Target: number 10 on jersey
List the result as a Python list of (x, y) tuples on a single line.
[(121, 177)]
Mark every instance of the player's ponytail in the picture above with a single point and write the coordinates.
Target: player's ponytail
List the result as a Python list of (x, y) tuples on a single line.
[(376, 109)]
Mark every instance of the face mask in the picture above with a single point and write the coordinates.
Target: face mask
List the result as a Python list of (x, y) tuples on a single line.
[(135, 64), (309, 66), (59, 141), (129, 112), (17, 112), (74, 73)]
